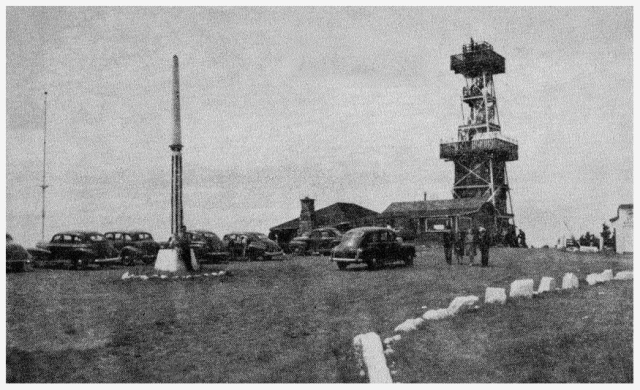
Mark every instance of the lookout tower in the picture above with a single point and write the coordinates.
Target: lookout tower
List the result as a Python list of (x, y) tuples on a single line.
[(480, 152)]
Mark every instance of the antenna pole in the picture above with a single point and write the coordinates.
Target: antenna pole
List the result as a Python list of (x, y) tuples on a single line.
[(44, 163)]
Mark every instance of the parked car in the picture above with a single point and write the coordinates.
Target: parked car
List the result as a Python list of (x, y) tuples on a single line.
[(258, 246), (18, 259), (374, 246), (79, 249), (134, 245), (320, 240), (207, 246)]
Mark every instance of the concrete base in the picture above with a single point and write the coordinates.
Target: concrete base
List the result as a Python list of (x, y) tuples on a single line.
[(168, 261)]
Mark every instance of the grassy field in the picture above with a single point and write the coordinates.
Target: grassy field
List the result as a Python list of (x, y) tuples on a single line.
[(294, 321)]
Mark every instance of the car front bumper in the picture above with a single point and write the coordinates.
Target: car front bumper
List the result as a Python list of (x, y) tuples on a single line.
[(346, 260), (276, 254)]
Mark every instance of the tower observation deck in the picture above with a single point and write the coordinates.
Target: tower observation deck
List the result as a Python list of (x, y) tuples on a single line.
[(480, 151)]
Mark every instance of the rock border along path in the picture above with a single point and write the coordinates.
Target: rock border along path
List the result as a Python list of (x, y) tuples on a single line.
[(143, 277), (372, 356)]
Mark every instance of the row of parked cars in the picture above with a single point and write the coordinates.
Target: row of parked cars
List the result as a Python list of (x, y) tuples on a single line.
[(373, 246), (83, 248)]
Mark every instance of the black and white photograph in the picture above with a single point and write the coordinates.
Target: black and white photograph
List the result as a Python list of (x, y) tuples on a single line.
[(319, 194)]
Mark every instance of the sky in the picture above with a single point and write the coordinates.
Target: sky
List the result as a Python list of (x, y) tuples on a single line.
[(338, 104)]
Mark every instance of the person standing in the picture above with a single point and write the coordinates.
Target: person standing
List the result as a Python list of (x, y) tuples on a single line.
[(448, 242), (483, 243), (470, 245), (522, 238), (459, 245), (184, 248)]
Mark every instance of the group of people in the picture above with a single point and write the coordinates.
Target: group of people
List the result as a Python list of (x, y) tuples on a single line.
[(466, 244)]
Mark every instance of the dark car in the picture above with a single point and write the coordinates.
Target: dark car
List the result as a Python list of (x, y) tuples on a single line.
[(373, 246), (134, 245), (207, 246), (79, 249), (258, 246), (18, 259), (320, 240)]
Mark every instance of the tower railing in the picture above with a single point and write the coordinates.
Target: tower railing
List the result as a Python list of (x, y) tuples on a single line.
[(492, 142)]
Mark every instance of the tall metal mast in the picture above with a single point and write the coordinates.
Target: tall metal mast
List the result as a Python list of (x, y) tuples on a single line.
[(44, 163)]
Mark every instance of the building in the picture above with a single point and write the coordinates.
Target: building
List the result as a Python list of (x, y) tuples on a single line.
[(429, 218), (343, 216), (623, 228)]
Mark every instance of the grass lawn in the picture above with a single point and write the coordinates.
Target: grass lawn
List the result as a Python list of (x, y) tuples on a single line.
[(294, 321)]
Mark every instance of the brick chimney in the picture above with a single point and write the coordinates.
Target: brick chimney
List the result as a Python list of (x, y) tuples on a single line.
[(307, 215)]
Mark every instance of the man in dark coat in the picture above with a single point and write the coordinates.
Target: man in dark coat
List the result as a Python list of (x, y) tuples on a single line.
[(448, 241), (459, 245), (483, 243), (184, 247)]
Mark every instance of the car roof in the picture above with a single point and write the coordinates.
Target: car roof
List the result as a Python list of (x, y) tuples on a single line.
[(128, 232), (200, 231), (79, 233), (366, 229), (245, 233)]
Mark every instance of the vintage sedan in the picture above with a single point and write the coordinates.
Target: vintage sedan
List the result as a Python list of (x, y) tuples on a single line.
[(18, 259), (207, 246), (79, 249), (134, 245), (320, 241), (374, 246), (252, 246)]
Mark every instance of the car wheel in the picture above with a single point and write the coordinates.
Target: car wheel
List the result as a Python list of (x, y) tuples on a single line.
[(127, 259), (373, 264), (342, 265)]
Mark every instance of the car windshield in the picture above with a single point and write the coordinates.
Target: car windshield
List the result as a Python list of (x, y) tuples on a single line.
[(261, 236), (352, 238)]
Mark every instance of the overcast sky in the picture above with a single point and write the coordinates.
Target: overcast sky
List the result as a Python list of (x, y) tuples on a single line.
[(339, 104)]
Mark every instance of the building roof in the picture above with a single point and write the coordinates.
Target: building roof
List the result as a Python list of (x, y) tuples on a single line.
[(434, 208), (332, 215)]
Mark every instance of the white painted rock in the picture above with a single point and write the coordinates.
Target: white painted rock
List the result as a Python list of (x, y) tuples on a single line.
[(547, 284), (163, 276), (436, 314), (569, 280), (409, 325), (462, 304), (521, 288), (495, 295), (606, 275), (392, 339), (624, 275), (144, 277), (126, 276), (370, 354), (593, 279)]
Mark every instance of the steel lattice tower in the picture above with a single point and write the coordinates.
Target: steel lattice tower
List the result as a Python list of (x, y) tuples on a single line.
[(480, 152)]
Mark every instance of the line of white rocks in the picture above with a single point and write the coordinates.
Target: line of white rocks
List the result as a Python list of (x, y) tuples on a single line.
[(369, 349), (129, 276)]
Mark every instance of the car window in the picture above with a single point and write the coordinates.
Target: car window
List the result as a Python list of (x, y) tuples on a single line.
[(325, 235), (57, 238), (384, 236), (352, 238), (96, 237), (117, 236), (108, 236), (374, 237), (67, 238), (127, 237)]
